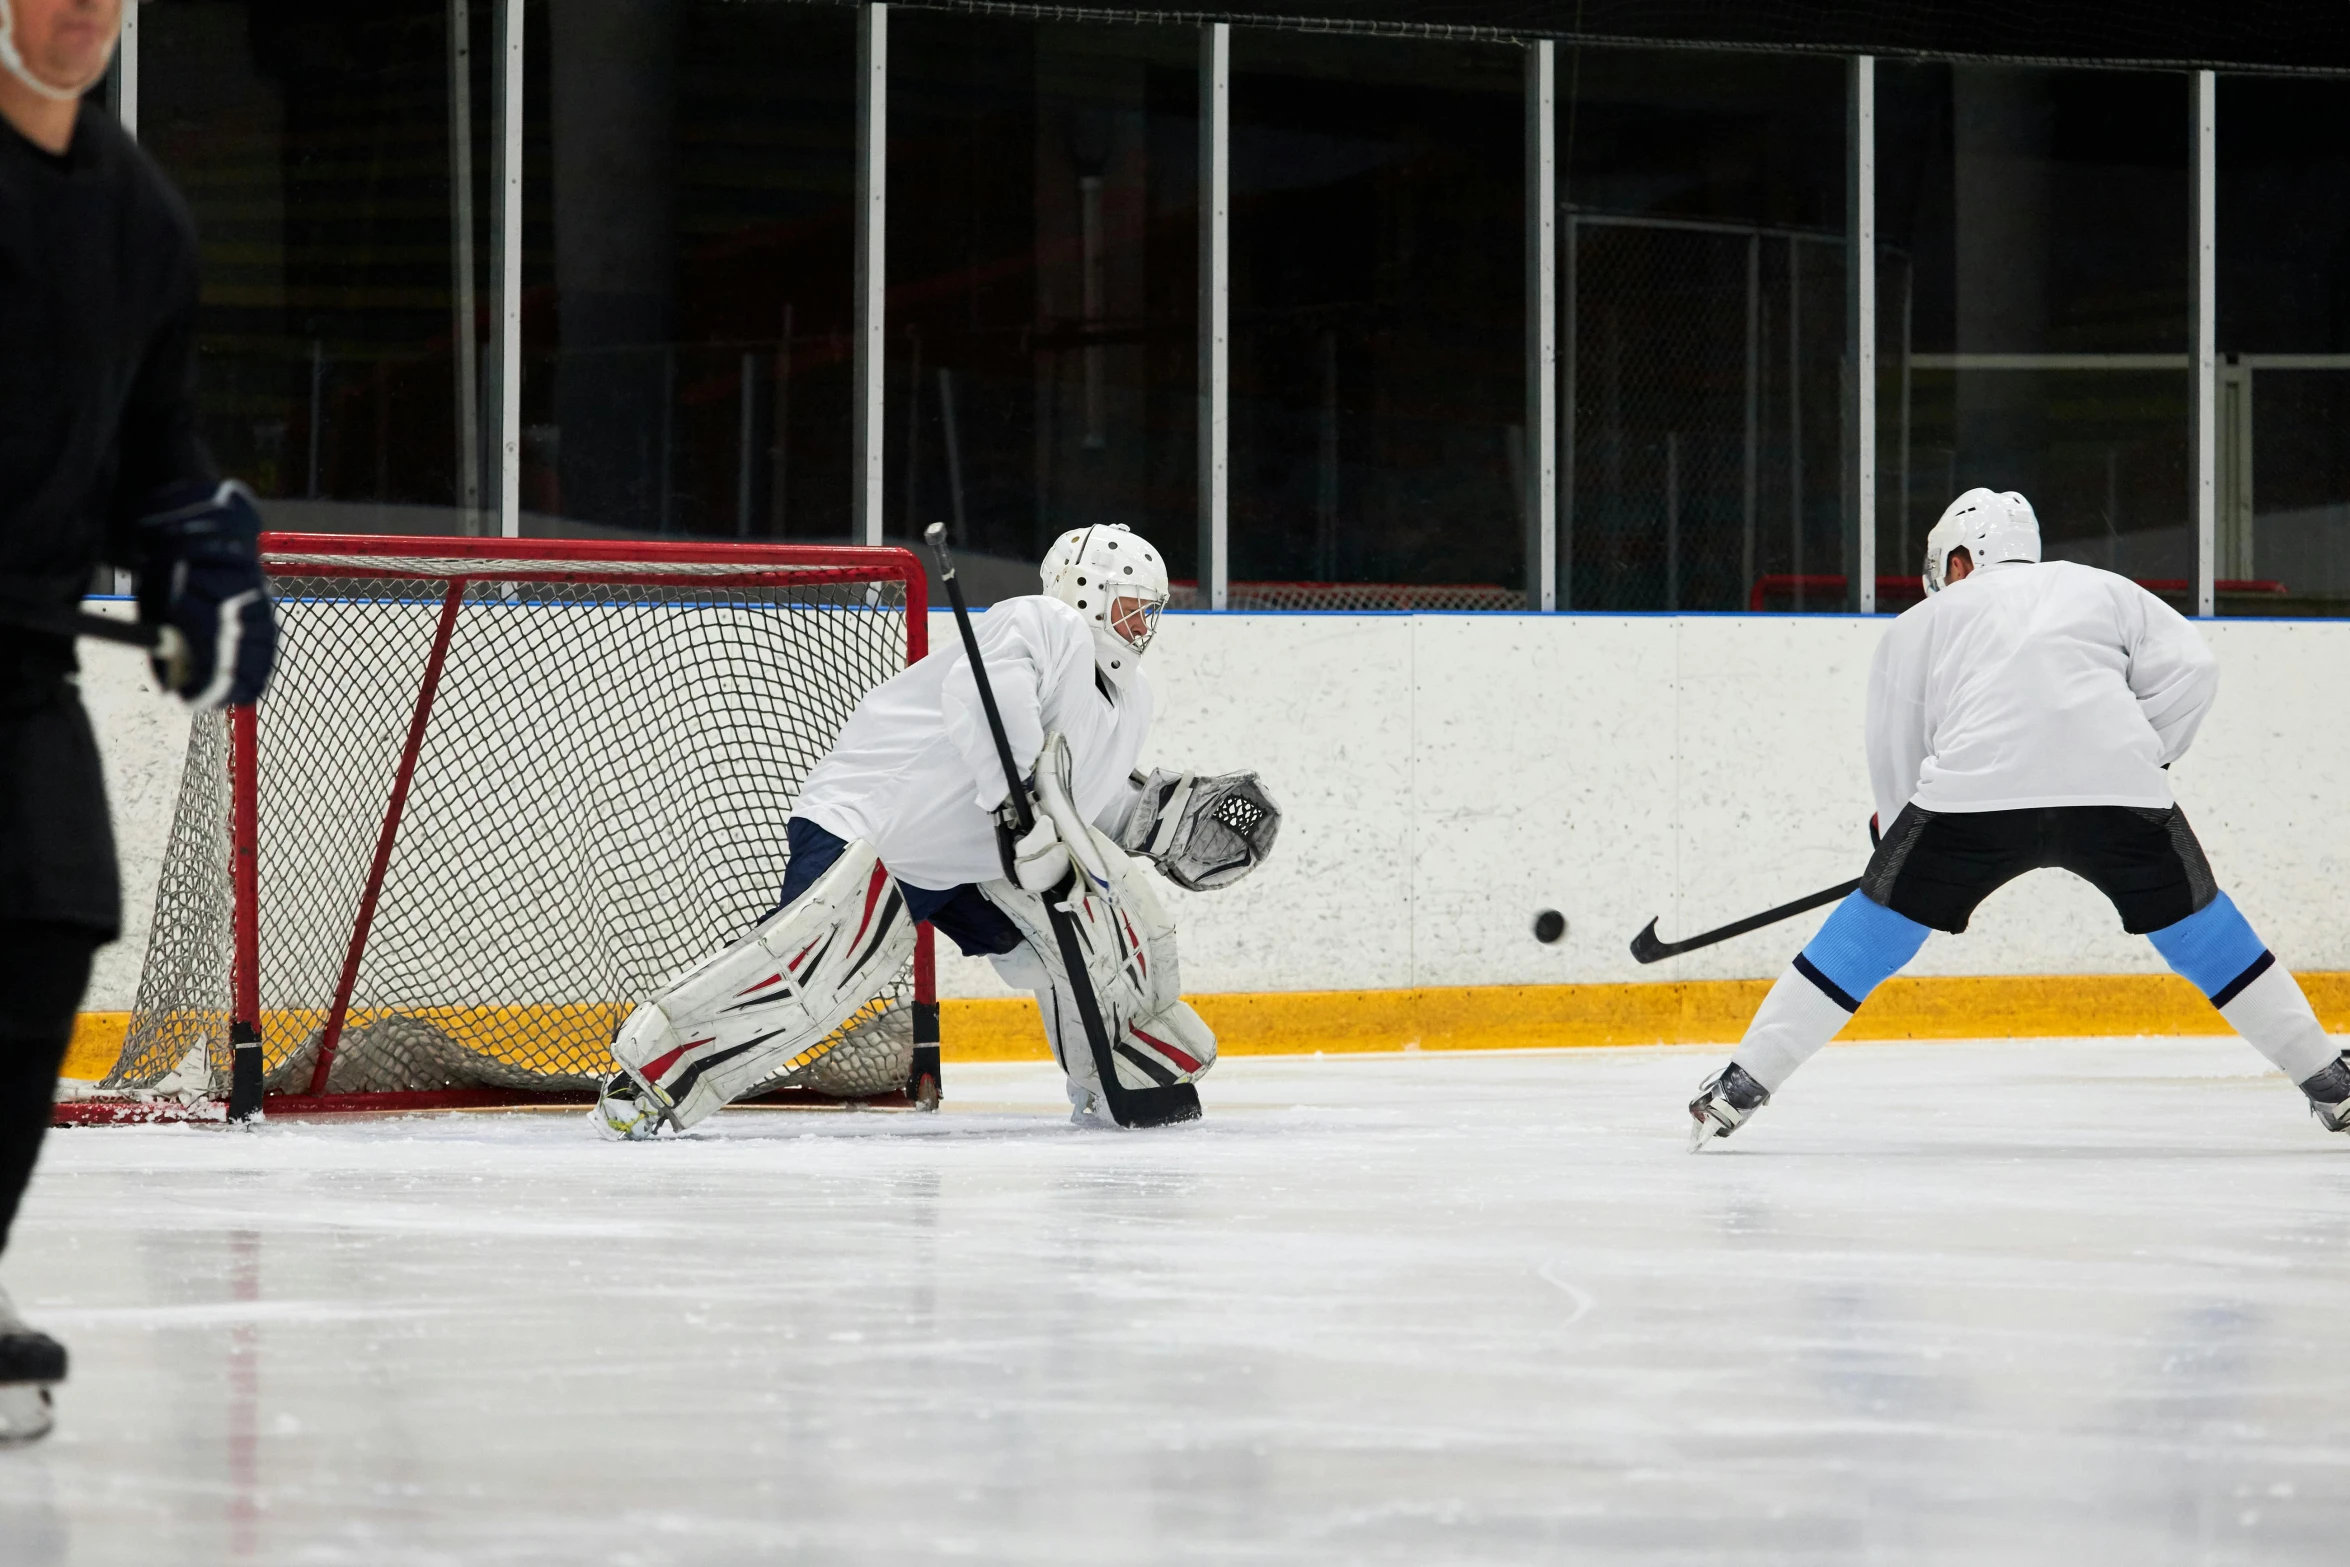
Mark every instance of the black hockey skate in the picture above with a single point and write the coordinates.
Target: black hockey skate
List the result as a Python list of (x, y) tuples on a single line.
[(1723, 1104), (2329, 1095), (29, 1363)]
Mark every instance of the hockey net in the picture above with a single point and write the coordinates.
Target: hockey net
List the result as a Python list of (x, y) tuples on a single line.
[(497, 793)]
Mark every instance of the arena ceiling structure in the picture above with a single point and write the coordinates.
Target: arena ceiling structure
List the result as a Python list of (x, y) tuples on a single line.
[(2272, 35)]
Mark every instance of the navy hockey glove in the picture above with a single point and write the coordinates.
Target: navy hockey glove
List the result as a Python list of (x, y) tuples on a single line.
[(199, 565)]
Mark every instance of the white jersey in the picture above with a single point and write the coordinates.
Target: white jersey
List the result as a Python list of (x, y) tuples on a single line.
[(2027, 684), (915, 771)]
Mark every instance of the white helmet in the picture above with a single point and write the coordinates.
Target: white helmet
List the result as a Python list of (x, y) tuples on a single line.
[(1111, 576), (1990, 525), (13, 63)]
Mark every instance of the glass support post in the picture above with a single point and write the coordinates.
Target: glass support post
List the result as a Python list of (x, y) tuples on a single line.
[(122, 91), (872, 270), (1215, 306), (462, 324), (1860, 334), (2203, 103), (122, 82), (510, 272), (1541, 475)]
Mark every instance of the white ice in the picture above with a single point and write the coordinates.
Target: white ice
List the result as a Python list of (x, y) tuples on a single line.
[(2075, 1302)]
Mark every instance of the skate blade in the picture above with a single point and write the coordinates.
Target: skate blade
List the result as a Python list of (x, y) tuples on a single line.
[(26, 1413), (1702, 1130)]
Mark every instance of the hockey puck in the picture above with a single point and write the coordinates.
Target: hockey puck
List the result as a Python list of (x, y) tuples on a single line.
[(1549, 926)]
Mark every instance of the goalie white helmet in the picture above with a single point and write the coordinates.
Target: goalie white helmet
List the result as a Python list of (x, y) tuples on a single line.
[(1109, 574), (13, 62), (1990, 525)]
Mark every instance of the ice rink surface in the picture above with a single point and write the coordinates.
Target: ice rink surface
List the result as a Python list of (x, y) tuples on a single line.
[(2075, 1302)]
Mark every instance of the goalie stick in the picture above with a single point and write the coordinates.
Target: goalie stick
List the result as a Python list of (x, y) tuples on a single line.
[(1128, 1106), (1648, 949)]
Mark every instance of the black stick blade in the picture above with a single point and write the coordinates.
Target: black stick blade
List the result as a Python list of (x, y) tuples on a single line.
[(1647, 948), (1169, 1106)]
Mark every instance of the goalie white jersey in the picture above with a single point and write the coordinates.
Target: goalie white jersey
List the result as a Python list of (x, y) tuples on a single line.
[(915, 772)]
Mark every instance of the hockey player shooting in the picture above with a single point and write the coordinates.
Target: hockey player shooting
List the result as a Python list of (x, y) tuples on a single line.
[(2023, 716), (909, 819)]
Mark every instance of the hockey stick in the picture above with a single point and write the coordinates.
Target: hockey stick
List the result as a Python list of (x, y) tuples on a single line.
[(1647, 949), (165, 642), (84, 623), (1128, 1106)]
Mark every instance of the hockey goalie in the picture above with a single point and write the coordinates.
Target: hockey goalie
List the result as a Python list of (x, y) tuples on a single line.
[(908, 820)]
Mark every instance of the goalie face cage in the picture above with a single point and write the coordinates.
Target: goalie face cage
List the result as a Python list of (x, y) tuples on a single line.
[(498, 792)]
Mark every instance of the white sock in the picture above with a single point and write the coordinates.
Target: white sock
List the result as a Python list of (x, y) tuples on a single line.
[(2275, 1017), (1795, 1019)]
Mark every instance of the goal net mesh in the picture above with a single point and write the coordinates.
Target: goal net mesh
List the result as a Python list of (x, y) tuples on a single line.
[(598, 800)]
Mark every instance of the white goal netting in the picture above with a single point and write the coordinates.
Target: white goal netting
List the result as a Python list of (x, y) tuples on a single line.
[(494, 803)]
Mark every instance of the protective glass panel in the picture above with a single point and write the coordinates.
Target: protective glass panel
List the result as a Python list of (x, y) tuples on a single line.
[(1377, 358), (1702, 325), (2034, 311), (1043, 258), (2282, 528), (337, 162), (689, 253)]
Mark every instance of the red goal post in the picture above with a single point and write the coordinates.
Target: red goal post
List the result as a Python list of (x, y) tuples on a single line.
[(500, 790)]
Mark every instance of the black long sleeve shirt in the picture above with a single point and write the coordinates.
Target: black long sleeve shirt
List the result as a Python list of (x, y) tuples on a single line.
[(97, 408), (97, 353)]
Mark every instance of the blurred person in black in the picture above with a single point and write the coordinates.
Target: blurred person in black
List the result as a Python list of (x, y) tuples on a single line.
[(99, 463)]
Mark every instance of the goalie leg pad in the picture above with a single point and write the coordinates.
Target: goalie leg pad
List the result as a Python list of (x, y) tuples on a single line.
[(1175, 1046), (1169, 1047), (1128, 940), (769, 1004)]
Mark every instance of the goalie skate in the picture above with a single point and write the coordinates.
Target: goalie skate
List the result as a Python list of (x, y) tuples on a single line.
[(1724, 1103), (771, 1004)]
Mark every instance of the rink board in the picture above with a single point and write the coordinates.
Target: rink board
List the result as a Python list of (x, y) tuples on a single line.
[(1510, 1017)]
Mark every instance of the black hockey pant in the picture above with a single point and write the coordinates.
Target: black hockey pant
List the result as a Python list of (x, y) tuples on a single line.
[(43, 969)]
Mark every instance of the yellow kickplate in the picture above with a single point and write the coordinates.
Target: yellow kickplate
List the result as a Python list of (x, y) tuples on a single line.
[(1482, 1017), (1690, 1012), (97, 1041)]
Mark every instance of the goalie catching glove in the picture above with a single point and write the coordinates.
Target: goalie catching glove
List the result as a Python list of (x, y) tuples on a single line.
[(1202, 833), (770, 1004)]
